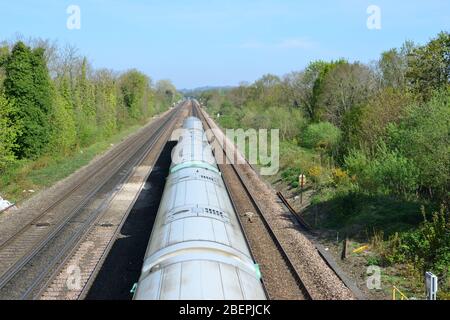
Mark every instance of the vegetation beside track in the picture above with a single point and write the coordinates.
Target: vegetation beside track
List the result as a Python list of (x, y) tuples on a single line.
[(25, 175), (373, 142), (57, 112)]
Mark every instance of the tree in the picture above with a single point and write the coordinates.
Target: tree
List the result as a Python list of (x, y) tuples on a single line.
[(106, 102), (423, 136), (322, 135), (4, 53), (429, 65), (55, 111), (166, 89), (29, 86), (344, 87), (307, 86), (384, 108), (85, 105), (50, 49), (67, 63), (394, 66), (10, 131), (166, 94), (238, 96), (64, 133), (134, 86), (268, 91)]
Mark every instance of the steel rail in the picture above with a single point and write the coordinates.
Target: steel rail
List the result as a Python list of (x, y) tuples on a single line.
[(296, 215)]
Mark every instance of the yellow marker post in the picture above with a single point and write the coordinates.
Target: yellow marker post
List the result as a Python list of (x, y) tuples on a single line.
[(361, 249)]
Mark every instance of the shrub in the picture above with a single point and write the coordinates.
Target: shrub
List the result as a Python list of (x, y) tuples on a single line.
[(358, 164), (321, 177), (322, 135), (28, 84), (427, 248), (290, 175), (423, 137), (64, 135), (387, 173), (9, 132), (340, 177), (315, 172)]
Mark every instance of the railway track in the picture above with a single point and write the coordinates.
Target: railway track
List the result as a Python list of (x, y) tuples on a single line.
[(90, 253), (31, 254), (280, 276)]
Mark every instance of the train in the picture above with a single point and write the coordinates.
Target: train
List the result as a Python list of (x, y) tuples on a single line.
[(197, 249)]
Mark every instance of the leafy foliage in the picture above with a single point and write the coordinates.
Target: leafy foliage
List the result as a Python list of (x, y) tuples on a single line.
[(393, 66), (385, 108), (423, 137), (429, 65), (53, 113), (306, 88), (387, 173), (322, 135), (133, 86), (9, 133), (427, 248), (347, 86), (63, 137), (28, 84)]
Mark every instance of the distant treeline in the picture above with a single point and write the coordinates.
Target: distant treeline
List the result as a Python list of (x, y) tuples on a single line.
[(53, 102)]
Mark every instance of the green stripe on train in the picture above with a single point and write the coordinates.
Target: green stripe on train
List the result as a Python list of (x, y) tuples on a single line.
[(194, 164)]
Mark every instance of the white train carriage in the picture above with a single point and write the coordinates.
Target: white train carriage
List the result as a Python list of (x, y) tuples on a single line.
[(197, 250)]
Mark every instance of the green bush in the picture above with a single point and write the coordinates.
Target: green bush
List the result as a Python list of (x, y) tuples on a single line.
[(427, 248), (8, 133), (290, 122), (373, 261), (423, 137), (28, 84), (64, 135), (322, 135), (387, 173), (290, 175), (228, 122)]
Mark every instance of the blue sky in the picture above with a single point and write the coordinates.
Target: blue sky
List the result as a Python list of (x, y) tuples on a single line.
[(210, 42)]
